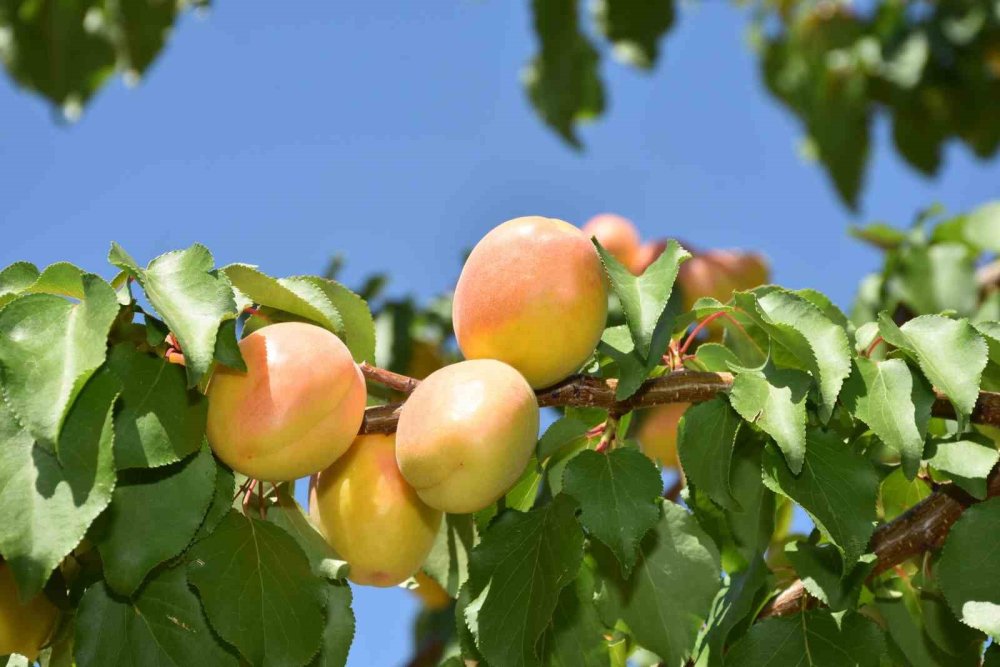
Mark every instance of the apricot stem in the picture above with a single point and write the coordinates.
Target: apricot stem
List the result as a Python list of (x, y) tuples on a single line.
[(387, 378)]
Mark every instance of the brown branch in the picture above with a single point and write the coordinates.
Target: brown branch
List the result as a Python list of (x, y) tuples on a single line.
[(589, 392), (923, 527)]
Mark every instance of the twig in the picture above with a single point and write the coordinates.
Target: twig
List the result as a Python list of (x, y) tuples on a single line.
[(387, 378)]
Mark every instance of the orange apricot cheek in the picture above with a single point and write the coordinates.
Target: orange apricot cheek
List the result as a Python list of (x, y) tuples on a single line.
[(24, 628), (657, 433)]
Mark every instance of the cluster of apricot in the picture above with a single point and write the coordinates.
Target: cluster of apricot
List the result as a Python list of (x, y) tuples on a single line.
[(529, 309)]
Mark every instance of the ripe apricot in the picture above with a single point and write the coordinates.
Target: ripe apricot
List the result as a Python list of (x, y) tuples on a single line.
[(24, 628), (466, 433), (371, 517), (295, 410), (657, 434), (532, 294), (616, 234)]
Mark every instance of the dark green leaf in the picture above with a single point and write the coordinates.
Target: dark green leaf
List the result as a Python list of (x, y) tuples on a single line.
[(969, 568), (735, 608), (576, 636), (338, 633), (670, 593), (49, 348), (153, 516), (559, 434), (618, 493), (222, 501), (159, 421), (288, 515), (515, 576), (163, 625), (821, 570), (635, 27), (448, 561), (705, 440), (838, 487), (258, 591), (47, 505), (814, 638)]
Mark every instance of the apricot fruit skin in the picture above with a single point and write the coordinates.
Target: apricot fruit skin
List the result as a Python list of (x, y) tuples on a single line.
[(466, 434), (657, 434), (616, 234), (296, 409), (533, 295), (371, 517), (24, 628)]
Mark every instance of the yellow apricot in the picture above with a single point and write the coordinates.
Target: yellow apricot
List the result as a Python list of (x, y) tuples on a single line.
[(296, 409), (616, 234), (466, 433), (657, 434), (24, 628), (371, 517), (533, 295), (430, 592)]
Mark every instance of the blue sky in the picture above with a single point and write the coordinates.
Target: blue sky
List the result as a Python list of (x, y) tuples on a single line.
[(397, 134)]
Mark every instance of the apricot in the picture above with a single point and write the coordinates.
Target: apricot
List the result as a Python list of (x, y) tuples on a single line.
[(431, 593), (616, 234), (24, 628), (701, 277), (466, 434), (371, 517), (296, 409), (657, 433), (533, 295)]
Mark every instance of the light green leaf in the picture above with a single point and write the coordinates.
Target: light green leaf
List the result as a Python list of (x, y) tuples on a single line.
[(163, 625), (515, 576), (935, 278), (775, 400), (617, 343), (48, 506), (338, 633), (153, 516), (191, 296), (898, 494), (982, 227), (838, 487), (258, 591), (448, 561), (895, 403), (359, 327), (802, 333), (159, 421), (49, 348), (821, 570), (813, 639), (294, 297), (705, 440), (966, 461), (669, 595), (951, 354), (15, 278), (576, 636), (645, 298), (969, 568), (618, 493), (717, 358)]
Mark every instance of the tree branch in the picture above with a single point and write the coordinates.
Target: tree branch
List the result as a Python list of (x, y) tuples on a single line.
[(589, 392)]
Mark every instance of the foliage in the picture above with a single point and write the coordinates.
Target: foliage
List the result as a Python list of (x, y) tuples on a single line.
[(116, 509)]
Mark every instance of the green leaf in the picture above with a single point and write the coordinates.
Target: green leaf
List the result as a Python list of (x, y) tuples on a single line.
[(669, 595), (15, 278), (258, 591), (966, 461), (49, 348), (159, 421), (190, 295), (969, 568), (895, 403), (515, 576), (982, 227), (801, 331), (576, 636), (635, 27), (448, 561), (645, 298), (222, 501), (813, 638), (912, 616), (338, 633), (152, 518), (48, 506), (288, 515), (937, 277), (897, 494), (951, 354), (821, 570), (618, 493), (717, 358), (297, 298), (734, 609), (617, 343), (562, 80), (359, 327), (838, 487), (560, 433), (705, 440), (775, 400), (163, 625)]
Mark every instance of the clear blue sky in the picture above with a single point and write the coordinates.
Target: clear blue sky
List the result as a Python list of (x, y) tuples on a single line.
[(397, 133)]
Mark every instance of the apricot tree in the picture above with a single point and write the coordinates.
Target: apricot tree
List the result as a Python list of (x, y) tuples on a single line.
[(152, 425)]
